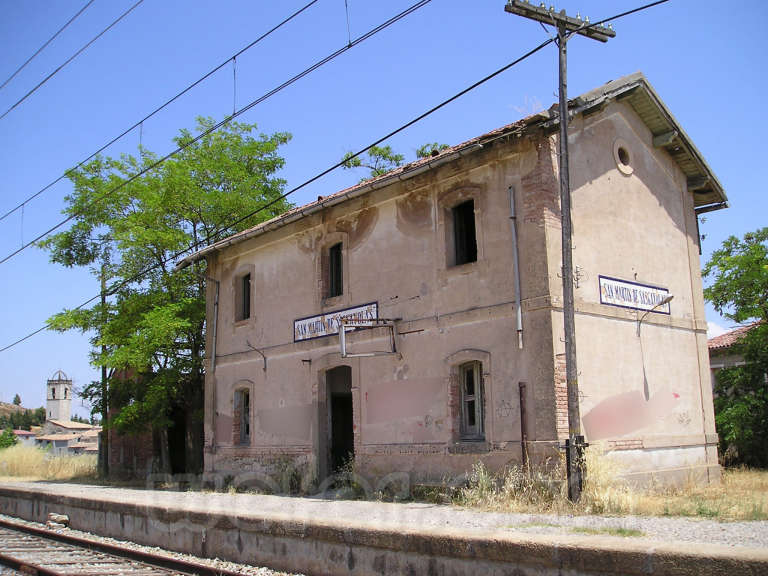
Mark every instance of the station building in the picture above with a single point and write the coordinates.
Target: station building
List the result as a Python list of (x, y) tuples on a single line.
[(444, 279)]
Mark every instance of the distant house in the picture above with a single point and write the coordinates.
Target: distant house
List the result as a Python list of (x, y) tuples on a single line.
[(25, 437), (65, 427), (723, 353), (57, 443)]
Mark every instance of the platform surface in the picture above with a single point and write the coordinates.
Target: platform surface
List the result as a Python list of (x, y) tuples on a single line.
[(429, 529)]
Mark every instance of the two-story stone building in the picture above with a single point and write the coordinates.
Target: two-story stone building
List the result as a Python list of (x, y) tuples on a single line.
[(459, 257)]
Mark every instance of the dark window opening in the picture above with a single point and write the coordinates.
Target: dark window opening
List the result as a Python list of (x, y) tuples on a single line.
[(471, 390), (243, 416), (53, 393), (243, 297), (335, 271), (464, 241), (65, 393)]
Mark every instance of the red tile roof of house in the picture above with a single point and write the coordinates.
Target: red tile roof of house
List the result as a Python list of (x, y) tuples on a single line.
[(729, 338), (72, 425), (23, 433)]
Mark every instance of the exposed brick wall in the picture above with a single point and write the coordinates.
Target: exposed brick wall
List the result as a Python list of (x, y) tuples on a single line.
[(454, 404), (130, 456), (627, 444), (561, 397), (541, 199), (237, 415)]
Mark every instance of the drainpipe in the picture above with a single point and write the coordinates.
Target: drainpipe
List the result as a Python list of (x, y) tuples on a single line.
[(516, 267)]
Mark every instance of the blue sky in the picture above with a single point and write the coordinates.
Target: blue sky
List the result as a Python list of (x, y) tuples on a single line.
[(704, 58)]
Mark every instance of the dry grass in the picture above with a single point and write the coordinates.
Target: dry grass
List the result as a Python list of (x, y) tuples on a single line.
[(742, 495), (29, 463)]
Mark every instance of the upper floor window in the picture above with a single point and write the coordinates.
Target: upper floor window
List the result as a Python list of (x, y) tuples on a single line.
[(53, 393), (243, 297), (335, 280), (464, 239), (471, 393)]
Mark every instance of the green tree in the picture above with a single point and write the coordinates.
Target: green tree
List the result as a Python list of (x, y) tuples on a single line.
[(382, 159), (430, 149), (7, 438), (17, 400), (148, 329), (377, 159), (739, 290)]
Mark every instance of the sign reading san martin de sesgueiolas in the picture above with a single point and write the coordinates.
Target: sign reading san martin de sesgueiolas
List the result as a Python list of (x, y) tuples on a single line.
[(626, 294), (328, 324)]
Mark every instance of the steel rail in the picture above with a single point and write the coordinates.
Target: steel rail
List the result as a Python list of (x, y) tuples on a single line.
[(150, 558)]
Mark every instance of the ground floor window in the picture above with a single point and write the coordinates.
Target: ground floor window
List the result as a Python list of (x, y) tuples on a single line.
[(242, 417), (471, 403)]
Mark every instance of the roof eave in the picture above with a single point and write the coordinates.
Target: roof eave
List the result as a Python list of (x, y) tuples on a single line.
[(667, 134)]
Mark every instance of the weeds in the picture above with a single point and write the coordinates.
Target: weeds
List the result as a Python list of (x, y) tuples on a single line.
[(35, 464), (742, 494)]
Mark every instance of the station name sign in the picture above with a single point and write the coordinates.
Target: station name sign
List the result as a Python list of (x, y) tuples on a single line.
[(626, 294), (328, 324)]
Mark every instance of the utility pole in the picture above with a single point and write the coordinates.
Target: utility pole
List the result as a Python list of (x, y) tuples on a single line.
[(566, 26)]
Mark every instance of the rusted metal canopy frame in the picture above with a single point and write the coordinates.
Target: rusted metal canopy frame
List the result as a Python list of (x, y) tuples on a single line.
[(349, 324)]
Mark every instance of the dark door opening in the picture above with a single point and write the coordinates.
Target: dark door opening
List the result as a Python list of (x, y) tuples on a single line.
[(340, 426)]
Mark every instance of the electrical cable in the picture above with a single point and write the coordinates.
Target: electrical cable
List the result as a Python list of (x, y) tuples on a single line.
[(159, 108), (51, 39), (218, 125), (75, 55), (117, 286), (175, 256)]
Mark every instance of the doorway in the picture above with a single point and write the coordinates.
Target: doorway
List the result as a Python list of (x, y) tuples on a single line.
[(341, 444)]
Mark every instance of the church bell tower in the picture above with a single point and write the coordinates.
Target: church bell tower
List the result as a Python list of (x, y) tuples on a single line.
[(59, 397)]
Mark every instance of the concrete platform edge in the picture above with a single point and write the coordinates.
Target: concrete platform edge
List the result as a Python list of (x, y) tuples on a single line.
[(350, 546)]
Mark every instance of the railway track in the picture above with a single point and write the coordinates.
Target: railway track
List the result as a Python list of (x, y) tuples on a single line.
[(40, 552)]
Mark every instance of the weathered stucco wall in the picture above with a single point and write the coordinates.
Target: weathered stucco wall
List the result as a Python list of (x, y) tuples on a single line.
[(396, 252), (641, 392)]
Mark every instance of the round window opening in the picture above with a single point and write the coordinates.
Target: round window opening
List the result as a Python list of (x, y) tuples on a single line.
[(622, 157)]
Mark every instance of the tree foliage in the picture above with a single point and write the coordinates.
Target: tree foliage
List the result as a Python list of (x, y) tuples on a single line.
[(7, 438), (148, 330), (17, 400), (382, 159), (430, 149), (23, 419), (377, 159), (739, 290)]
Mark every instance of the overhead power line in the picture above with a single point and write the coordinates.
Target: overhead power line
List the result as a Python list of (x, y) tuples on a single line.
[(118, 285), (68, 60), (51, 39), (227, 120), (158, 109)]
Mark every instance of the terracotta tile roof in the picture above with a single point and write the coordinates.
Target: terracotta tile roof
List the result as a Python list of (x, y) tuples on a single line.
[(69, 424), (58, 437), (728, 339), (645, 98), (23, 433)]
